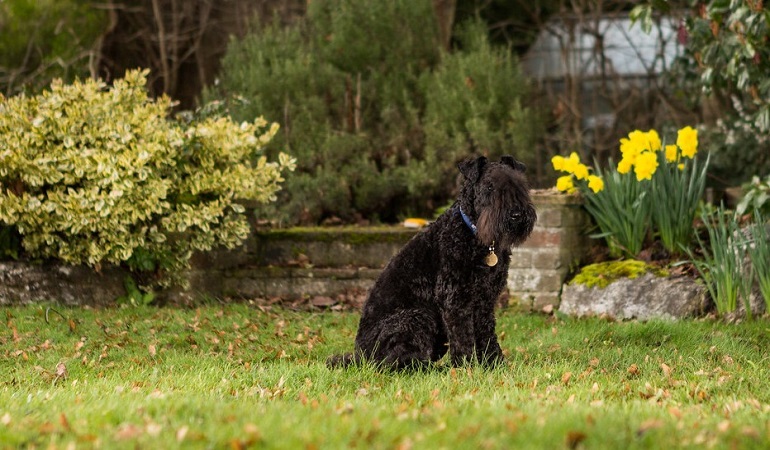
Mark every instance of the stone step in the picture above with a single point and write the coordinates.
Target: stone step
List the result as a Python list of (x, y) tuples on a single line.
[(342, 247)]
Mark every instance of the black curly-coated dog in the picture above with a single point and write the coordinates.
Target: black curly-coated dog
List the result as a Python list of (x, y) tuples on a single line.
[(439, 292)]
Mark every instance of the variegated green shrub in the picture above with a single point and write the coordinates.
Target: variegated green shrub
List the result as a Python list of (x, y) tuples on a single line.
[(94, 175)]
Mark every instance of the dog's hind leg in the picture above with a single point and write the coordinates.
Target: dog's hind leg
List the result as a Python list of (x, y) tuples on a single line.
[(405, 340)]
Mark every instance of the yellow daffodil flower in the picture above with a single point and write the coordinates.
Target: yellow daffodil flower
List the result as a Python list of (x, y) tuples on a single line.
[(653, 140), (631, 147), (571, 163), (625, 164), (558, 163), (646, 164), (672, 154), (687, 140), (595, 183), (581, 172), (565, 184)]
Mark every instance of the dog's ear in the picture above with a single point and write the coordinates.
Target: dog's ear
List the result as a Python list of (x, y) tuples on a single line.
[(511, 161), (472, 168)]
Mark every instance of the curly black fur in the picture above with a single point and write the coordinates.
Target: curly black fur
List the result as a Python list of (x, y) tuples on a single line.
[(438, 294)]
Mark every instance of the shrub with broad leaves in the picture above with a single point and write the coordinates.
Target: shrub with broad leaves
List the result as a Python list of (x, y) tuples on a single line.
[(91, 174)]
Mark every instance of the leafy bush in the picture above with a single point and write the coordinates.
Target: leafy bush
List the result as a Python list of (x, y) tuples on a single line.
[(727, 41), (91, 175), (661, 196), (376, 114), (474, 103), (726, 57), (756, 197), (738, 152)]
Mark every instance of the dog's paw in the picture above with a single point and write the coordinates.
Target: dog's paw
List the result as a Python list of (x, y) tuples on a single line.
[(340, 361), (493, 360)]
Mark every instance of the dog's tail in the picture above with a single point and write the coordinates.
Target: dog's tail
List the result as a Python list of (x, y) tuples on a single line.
[(343, 361)]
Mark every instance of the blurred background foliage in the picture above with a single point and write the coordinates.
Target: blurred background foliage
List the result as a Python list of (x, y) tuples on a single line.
[(378, 100), (45, 39), (376, 113)]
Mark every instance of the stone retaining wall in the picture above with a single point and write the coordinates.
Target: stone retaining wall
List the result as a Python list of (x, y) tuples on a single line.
[(557, 244), (308, 263)]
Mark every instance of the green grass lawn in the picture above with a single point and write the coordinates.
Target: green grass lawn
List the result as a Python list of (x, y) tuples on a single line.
[(240, 377)]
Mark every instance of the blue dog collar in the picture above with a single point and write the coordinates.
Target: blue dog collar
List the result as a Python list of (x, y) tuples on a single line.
[(467, 220)]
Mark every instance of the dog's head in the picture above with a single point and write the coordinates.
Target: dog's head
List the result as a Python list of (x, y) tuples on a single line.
[(495, 195)]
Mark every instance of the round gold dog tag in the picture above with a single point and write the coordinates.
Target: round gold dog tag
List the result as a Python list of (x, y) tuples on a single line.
[(491, 259)]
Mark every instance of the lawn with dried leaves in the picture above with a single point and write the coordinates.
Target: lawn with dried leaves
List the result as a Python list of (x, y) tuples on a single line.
[(239, 376)]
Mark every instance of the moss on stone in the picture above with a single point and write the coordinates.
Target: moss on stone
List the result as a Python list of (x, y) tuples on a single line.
[(602, 274)]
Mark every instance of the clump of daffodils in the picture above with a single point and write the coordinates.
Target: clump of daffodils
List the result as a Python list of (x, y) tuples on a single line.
[(575, 169), (639, 153), (640, 149), (630, 209)]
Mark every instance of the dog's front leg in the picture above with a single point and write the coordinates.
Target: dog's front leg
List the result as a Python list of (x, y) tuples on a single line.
[(460, 327), (488, 351)]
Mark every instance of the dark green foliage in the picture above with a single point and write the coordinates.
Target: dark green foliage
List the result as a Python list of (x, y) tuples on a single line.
[(725, 56), (10, 242), (474, 105), (135, 296), (738, 152), (375, 113), (756, 197), (45, 39)]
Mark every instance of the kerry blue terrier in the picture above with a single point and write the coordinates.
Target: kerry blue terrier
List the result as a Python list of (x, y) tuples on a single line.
[(439, 292)]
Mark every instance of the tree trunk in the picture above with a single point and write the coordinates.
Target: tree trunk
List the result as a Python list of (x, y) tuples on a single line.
[(445, 17)]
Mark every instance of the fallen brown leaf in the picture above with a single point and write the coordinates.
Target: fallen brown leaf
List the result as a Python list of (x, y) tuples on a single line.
[(322, 301), (574, 438), (47, 428), (181, 433), (675, 412), (723, 426), (647, 425), (153, 429), (750, 432), (64, 422), (252, 430), (61, 371), (128, 431)]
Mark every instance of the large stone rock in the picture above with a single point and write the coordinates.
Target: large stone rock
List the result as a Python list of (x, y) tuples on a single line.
[(646, 297)]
